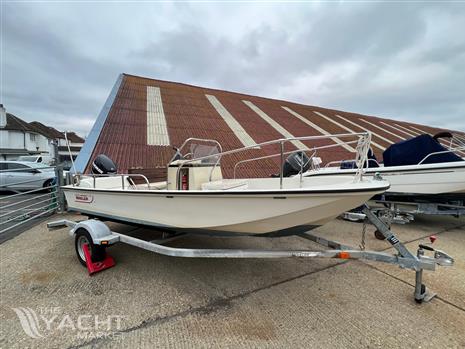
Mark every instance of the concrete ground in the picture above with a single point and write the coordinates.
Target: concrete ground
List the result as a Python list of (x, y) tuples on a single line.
[(148, 300)]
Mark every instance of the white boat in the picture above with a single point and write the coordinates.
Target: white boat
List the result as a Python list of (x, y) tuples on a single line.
[(442, 179), (195, 198), (419, 170)]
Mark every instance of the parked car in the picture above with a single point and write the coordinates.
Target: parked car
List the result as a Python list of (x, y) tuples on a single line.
[(23, 175), (44, 159)]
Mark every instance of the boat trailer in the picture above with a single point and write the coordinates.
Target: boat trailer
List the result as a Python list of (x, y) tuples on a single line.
[(403, 212), (93, 236)]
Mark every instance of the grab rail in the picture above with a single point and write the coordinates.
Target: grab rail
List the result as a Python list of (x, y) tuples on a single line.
[(363, 145), (441, 152), (290, 152), (461, 148), (341, 161), (122, 175), (458, 141), (270, 156)]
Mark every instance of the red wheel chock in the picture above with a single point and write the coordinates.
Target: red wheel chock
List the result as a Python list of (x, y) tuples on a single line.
[(92, 267)]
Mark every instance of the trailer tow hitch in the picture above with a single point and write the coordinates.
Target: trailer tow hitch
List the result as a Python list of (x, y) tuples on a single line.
[(440, 257), (422, 294)]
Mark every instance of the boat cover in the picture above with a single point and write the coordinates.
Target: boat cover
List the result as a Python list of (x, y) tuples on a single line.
[(350, 164), (413, 150)]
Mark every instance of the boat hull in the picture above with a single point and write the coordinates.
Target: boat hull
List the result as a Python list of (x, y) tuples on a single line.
[(239, 212), (429, 179)]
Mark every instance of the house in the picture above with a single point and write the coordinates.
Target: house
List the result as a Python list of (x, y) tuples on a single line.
[(19, 138), (75, 142), (69, 146)]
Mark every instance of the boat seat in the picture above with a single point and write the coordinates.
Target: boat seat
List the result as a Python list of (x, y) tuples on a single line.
[(228, 184)]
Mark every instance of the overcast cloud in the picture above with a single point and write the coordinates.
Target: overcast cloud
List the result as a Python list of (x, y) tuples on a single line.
[(399, 60)]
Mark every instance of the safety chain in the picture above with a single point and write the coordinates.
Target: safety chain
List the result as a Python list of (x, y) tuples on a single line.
[(364, 228)]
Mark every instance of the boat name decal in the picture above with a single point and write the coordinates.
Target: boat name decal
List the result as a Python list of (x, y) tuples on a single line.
[(86, 198)]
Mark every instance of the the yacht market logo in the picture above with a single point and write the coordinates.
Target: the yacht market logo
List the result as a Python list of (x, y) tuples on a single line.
[(29, 322), (39, 324)]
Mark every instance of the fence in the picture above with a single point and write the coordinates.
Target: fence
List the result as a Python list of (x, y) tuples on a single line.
[(28, 194)]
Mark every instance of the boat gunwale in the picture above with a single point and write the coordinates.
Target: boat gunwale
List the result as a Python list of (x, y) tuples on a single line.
[(279, 192)]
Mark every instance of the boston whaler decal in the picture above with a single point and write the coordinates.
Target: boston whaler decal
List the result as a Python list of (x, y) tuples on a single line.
[(85, 198)]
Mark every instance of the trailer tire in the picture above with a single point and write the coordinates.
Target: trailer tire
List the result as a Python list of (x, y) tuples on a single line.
[(379, 235), (97, 252)]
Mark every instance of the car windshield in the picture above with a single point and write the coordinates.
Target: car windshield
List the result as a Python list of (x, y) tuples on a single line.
[(28, 158), (40, 166)]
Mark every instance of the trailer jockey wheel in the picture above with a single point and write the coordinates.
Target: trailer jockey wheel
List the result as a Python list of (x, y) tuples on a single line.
[(379, 235), (97, 252), (386, 217)]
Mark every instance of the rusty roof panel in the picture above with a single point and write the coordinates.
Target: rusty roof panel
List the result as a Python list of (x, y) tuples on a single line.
[(188, 113)]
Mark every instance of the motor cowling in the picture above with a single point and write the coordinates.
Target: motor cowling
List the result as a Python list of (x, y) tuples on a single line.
[(102, 164), (294, 163)]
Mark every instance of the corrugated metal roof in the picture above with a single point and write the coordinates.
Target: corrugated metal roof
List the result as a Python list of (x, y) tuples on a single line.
[(121, 131), (283, 131), (319, 129), (157, 133), (238, 130)]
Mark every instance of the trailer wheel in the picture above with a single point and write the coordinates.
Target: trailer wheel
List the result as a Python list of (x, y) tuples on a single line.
[(97, 252), (386, 217), (378, 235)]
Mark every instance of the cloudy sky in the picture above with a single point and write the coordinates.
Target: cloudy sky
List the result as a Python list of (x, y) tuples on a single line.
[(402, 60)]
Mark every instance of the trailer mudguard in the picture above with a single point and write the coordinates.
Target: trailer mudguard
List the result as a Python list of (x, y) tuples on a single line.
[(98, 230)]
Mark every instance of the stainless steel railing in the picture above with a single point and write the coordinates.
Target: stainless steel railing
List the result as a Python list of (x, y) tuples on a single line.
[(452, 150), (441, 152), (363, 144), (341, 161), (272, 156), (314, 150), (123, 176)]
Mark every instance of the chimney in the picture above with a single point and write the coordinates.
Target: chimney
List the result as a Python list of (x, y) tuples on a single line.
[(2, 116)]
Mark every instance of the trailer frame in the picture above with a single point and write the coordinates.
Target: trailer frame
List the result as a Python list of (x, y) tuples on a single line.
[(101, 235)]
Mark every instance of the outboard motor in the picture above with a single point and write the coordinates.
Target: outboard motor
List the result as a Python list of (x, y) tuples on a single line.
[(294, 163), (103, 165)]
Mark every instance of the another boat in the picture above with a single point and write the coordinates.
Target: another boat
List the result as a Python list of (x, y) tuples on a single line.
[(419, 169), (197, 199)]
